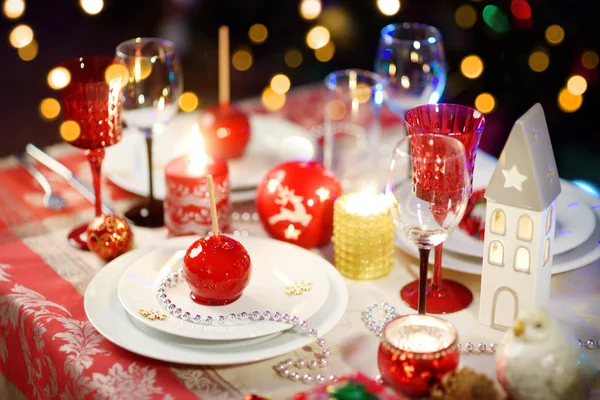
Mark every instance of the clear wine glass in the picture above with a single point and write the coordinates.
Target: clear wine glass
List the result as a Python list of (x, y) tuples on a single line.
[(150, 97), (428, 188), (411, 60)]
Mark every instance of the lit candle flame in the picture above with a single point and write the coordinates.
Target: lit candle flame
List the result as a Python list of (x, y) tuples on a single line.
[(197, 153)]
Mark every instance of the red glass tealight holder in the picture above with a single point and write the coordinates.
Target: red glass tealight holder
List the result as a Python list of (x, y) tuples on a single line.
[(416, 351)]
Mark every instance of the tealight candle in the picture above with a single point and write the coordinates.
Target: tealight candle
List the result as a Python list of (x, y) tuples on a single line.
[(416, 351), (363, 235), (187, 204)]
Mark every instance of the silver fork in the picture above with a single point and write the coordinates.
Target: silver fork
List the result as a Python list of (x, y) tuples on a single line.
[(51, 200)]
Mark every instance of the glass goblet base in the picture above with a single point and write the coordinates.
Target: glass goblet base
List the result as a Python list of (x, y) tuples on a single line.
[(78, 237), (149, 214), (450, 297)]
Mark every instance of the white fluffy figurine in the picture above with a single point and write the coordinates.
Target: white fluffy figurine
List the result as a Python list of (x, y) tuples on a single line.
[(537, 361)]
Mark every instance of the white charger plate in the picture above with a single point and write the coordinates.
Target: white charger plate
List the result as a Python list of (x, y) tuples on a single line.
[(105, 312), (275, 265), (578, 257), (273, 140)]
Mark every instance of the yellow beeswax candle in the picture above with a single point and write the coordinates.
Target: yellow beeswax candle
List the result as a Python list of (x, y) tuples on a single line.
[(363, 235)]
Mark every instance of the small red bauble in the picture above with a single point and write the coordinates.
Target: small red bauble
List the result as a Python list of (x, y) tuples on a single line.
[(216, 270), (225, 130), (295, 203), (109, 236)]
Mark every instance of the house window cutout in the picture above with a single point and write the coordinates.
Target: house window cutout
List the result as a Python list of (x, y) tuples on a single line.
[(546, 251), (498, 222), (522, 260), (549, 220), (496, 253), (525, 228)]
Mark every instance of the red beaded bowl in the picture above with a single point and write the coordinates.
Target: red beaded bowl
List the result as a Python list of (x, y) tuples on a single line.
[(416, 351)]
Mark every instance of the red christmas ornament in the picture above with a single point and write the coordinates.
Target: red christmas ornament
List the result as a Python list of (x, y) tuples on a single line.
[(225, 130), (217, 270), (109, 236), (295, 203)]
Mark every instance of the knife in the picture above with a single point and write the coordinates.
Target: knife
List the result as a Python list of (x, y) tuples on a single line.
[(66, 173)]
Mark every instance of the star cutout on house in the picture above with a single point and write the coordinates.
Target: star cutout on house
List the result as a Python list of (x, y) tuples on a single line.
[(512, 178), (535, 134), (291, 233)]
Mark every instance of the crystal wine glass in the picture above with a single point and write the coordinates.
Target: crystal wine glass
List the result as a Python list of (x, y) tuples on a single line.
[(92, 113), (465, 124), (428, 188), (410, 58), (149, 98)]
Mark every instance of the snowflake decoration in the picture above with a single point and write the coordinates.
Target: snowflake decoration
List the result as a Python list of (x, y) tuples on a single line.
[(298, 288), (153, 315)]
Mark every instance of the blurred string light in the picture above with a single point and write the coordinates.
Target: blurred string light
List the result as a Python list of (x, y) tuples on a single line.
[(13, 9), (310, 9), (555, 35), (142, 68), (520, 9), (28, 52), (293, 58), (485, 102), (58, 78), (465, 16), (539, 61), (317, 37), (69, 130), (21, 36), (336, 109), (496, 19), (569, 102), (388, 7), (116, 73), (258, 33), (326, 52), (271, 100), (590, 59), (91, 7), (280, 84), (339, 22), (242, 60), (577, 85), (49, 108), (188, 102), (471, 66)]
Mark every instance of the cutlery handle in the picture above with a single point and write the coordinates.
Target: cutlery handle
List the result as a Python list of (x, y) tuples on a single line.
[(33, 171)]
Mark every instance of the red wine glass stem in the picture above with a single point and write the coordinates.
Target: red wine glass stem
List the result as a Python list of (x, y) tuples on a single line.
[(148, 135), (423, 264), (95, 158), (436, 282)]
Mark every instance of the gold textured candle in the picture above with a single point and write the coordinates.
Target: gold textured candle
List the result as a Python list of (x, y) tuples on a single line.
[(363, 236)]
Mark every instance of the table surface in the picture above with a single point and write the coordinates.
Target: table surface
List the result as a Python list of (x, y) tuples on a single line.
[(48, 348)]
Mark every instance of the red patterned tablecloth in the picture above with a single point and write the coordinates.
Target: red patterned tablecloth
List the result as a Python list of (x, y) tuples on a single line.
[(49, 350)]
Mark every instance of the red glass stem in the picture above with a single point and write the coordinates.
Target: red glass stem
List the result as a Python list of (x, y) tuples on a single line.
[(436, 282), (148, 135), (423, 264), (95, 158)]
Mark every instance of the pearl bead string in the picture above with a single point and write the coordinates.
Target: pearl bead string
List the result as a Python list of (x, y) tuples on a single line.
[(285, 369), (390, 313)]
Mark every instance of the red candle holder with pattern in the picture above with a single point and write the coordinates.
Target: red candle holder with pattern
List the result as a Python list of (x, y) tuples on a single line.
[(416, 351), (187, 203)]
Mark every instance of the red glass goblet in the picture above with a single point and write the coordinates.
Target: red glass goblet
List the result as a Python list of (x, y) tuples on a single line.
[(91, 103), (465, 124), (416, 351)]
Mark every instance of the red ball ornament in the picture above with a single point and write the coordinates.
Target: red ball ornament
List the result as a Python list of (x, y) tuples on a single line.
[(225, 130), (295, 203), (109, 236), (216, 270)]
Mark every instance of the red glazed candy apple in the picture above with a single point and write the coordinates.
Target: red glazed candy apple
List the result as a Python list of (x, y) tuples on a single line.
[(217, 270), (225, 130)]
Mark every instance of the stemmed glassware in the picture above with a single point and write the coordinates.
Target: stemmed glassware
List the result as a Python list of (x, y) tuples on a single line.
[(466, 125), (150, 97), (92, 112), (410, 58), (428, 188)]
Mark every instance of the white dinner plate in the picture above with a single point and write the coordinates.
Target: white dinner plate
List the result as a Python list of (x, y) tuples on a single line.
[(273, 140), (105, 312), (583, 255), (275, 266)]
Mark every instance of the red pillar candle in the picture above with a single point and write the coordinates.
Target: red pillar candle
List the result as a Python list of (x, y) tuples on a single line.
[(187, 204)]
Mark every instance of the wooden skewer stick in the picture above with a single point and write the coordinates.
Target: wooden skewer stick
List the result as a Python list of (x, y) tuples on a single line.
[(213, 207), (224, 65)]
